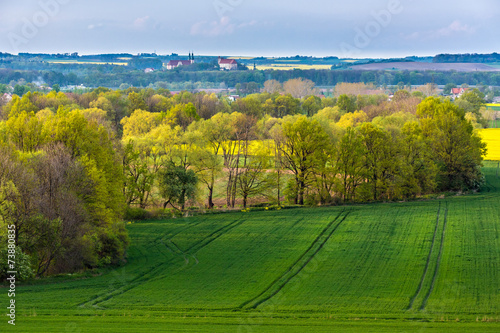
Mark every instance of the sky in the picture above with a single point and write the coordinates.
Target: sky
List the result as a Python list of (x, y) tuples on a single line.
[(347, 29)]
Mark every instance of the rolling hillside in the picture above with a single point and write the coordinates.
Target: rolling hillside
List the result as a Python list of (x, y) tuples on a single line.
[(424, 266)]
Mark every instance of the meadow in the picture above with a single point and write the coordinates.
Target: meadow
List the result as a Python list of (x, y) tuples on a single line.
[(423, 266)]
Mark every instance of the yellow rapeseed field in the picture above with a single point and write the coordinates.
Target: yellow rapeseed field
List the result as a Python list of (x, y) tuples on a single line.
[(492, 138)]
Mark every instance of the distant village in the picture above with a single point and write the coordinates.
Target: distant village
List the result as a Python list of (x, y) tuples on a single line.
[(224, 64)]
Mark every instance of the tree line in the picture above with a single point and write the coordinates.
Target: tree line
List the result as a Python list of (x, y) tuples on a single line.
[(108, 75), (72, 164)]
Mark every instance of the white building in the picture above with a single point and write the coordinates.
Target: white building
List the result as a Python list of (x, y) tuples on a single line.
[(227, 64)]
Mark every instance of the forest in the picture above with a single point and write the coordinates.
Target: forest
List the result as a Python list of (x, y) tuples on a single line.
[(73, 165), (116, 76)]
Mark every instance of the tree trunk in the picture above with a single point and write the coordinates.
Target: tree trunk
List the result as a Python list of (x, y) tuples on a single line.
[(229, 189), (301, 193), (183, 200), (210, 198), (279, 187)]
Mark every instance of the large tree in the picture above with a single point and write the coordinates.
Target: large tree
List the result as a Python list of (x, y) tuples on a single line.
[(177, 185), (457, 149), (302, 144)]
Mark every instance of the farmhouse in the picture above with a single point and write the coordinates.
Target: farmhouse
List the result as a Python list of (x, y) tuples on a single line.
[(176, 63), (233, 98), (457, 92), (7, 97), (227, 64)]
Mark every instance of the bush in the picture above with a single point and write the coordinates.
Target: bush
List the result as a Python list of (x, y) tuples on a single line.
[(135, 213), (23, 265)]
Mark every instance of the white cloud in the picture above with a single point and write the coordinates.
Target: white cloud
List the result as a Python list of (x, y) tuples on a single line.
[(140, 22), (214, 28), (247, 24), (454, 28), (95, 26), (412, 36)]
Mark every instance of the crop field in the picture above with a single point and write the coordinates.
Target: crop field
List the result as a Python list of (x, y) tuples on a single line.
[(87, 62), (291, 66), (492, 138), (424, 66), (422, 266), (494, 107)]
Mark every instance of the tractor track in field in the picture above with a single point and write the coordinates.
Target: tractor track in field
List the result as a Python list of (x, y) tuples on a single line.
[(277, 285), (438, 261), (153, 271), (429, 259), (428, 262)]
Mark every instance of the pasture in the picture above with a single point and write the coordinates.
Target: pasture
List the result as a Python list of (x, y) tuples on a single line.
[(422, 266)]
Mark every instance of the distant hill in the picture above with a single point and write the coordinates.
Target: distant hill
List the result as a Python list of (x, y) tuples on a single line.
[(423, 66), (467, 57)]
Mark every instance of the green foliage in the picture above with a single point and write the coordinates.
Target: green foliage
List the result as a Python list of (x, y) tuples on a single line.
[(457, 149), (143, 63), (472, 101), (303, 143), (23, 264), (136, 102), (311, 105), (177, 184), (25, 131), (136, 213), (20, 90), (18, 105), (62, 189), (347, 103)]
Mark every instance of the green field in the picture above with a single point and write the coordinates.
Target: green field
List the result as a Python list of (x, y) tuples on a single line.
[(424, 266), (494, 107)]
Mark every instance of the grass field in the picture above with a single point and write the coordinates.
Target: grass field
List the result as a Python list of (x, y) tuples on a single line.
[(424, 266)]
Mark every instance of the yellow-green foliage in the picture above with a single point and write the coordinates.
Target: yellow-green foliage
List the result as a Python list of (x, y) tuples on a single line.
[(140, 122), (352, 119)]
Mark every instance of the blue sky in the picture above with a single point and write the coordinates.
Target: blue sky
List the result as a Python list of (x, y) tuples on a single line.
[(355, 28)]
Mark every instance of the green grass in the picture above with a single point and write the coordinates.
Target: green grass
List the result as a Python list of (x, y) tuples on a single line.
[(424, 266), (493, 107)]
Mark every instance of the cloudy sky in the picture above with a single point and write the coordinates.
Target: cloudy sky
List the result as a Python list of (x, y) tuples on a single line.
[(355, 28)]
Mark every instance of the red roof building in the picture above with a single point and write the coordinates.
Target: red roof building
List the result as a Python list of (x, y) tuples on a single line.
[(176, 63), (457, 92), (227, 64)]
